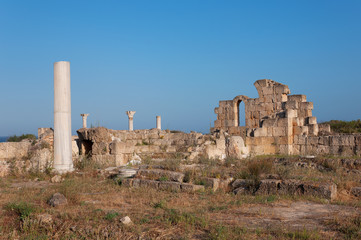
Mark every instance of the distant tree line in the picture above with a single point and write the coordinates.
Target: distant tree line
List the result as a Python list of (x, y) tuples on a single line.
[(339, 126), (22, 137)]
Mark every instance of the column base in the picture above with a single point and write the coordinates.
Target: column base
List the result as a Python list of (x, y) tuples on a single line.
[(62, 169)]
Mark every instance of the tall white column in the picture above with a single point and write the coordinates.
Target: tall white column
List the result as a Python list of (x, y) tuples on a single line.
[(63, 161), (130, 116), (84, 116), (159, 124)]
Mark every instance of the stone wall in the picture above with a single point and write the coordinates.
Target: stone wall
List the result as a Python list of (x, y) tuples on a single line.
[(280, 123), (118, 147)]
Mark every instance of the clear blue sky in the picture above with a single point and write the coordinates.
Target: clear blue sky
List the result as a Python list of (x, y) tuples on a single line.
[(176, 59)]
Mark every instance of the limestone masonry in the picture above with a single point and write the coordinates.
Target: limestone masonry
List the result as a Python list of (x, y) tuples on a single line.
[(275, 123)]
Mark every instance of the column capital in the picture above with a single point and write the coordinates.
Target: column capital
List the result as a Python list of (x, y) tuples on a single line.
[(84, 114), (130, 113)]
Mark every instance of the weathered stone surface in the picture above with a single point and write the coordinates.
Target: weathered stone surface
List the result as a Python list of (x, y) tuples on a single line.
[(160, 174), (269, 186), (187, 187), (57, 199), (44, 218), (17, 150), (149, 183), (170, 186), (236, 147), (126, 220), (245, 183), (212, 183), (56, 179)]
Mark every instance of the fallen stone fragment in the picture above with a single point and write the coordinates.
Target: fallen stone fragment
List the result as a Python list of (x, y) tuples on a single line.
[(56, 179), (126, 220), (57, 199), (187, 187), (44, 218), (156, 174), (170, 186)]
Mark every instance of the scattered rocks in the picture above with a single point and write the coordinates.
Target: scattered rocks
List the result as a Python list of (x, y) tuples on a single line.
[(126, 220), (56, 179), (160, 174), (44, 218), (57, 199)]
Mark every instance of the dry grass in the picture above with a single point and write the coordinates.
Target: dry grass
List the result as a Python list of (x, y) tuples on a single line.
[(95, 206)]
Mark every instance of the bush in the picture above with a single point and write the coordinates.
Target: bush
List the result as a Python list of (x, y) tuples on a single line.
[(338, 126), (22, 137), (22, 209)]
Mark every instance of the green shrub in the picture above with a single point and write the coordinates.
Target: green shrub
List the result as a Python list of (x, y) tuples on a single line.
[(22, 137), (345, 126), (111, 215), (22, 209)]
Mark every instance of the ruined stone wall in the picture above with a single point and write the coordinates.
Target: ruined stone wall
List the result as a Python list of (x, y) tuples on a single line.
[(118, 147), (280, 123)]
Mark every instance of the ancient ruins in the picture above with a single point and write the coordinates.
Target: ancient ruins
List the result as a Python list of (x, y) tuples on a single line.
[(275, 123)]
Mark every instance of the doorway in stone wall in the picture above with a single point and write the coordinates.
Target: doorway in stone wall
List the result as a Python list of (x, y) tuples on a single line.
[(241, 114)]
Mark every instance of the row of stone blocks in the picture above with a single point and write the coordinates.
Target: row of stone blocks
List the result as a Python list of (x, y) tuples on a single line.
[(285, 187), (162, 185), (333, 140)]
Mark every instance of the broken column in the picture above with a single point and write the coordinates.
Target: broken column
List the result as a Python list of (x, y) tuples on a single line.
[(84, 116), (159, 126), (130, 116), (62, 118)]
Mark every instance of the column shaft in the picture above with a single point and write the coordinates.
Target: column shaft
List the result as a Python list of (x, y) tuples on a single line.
[(62, 118)]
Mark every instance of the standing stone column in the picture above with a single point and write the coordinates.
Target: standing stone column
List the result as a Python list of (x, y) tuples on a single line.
[(84, 116), (130, 116), (63, 161), (159, 124)]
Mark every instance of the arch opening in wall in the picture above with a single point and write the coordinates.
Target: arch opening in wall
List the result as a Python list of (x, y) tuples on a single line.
[(241, 116)]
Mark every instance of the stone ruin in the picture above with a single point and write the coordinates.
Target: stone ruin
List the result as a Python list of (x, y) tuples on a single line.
[(275, 123), (280, 123)]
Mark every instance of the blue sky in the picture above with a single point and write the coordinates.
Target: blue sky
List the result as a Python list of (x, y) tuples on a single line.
[(176, 59)]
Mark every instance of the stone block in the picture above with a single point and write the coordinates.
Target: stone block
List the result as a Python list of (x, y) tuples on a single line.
[(260, 132), (145, 183), (170, 186), (300, 139), (306, 105), (322, 190), (312, 140), (298, 98), (291, 113), (304, 113), (279, 131), (291, 105), (160, 174), (282, 122), (324, 140), (313, 129), (281, 98), (212, 183), (323, 127), (345, 140), (245, 183), (187, 187), (272, 122), (270, 149), (268, 186), (323, 150), (311, 120), (268, 140)]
